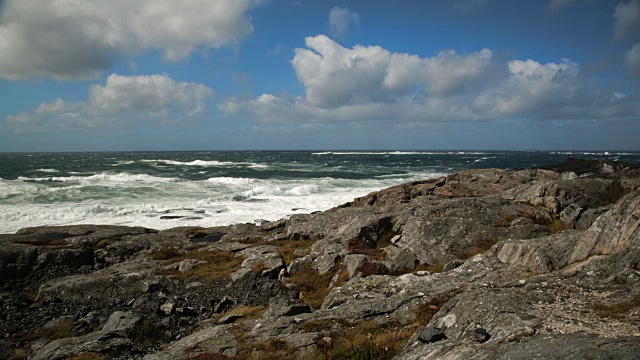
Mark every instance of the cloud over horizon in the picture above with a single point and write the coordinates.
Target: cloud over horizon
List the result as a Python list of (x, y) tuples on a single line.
[(67, 39), (120, 99), (372, 84)]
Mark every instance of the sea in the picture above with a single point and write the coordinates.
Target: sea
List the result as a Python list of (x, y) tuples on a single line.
[(161, 190)]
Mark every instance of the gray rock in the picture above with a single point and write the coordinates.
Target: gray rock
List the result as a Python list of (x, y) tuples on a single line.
[(96, 342), (353, 262), (300, 263), (216, 340), (167, 308), (188, 264), (480, 335), (230, 319), (430, 334), (121, 322), (399, 259), (242, 274), (453, 264), (324, 263)]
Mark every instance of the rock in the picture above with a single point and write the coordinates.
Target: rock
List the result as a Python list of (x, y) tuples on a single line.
[(300, 263), (188, 264), (223, 305), (396, 238), (167, 309), (151, 286), (453, 264), (230, 319), (121, 322), (431, 334), (480, 335), (353, 262), (399, 259), (186, 311), (324, 263), (213, 340), (284, 307), (96, 342), (242, 274)]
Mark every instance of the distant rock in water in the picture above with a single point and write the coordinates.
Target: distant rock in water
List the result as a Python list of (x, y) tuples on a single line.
[(480, 264)]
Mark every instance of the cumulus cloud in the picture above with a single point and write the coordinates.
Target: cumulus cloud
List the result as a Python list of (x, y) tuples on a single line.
[(372, 84), (71, 39), (557, 5), (335, 76), (157, 97), (632, 60), (340, 20), (626, 18)]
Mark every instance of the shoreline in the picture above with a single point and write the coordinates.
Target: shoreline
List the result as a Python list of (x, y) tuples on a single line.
[(481, 263)]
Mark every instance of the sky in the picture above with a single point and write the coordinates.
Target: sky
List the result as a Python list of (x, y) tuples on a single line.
[(138, 75)]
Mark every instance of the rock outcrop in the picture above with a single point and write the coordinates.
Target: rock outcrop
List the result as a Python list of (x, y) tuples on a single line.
[(482, 264)]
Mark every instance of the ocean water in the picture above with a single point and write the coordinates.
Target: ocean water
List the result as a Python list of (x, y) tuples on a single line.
[(167, 189)]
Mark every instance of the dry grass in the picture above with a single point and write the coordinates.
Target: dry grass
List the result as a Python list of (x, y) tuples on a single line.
[(220, 265), (247, 312), (312, 286), (18, 354), (423, 313), (556, 226), (165, 253), (480, 247), (86, 356), (366, 340), (43, 242), (371, 268), (288, 248), (59, 331), (103, 243), (617, 310), (359, 246), (210, 356)]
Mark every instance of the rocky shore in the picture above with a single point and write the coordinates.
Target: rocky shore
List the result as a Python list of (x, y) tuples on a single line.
[(481, 264)]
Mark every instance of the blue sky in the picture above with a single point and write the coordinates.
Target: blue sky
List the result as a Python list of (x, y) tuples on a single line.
[(280, 74)]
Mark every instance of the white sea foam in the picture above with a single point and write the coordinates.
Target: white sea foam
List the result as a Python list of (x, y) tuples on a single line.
[(204, 163), (118, 177), (47, 170), (119, 163), (231, 180), (141, 199)]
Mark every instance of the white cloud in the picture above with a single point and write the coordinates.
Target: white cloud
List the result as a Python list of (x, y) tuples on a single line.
[(557, 5), (334, 75), (340, 19), (627, 18), (632, 60), (71, 39), (371, 84), (121, 98)]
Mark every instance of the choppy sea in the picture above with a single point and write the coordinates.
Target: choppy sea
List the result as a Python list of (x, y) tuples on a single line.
[(167, 189)]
